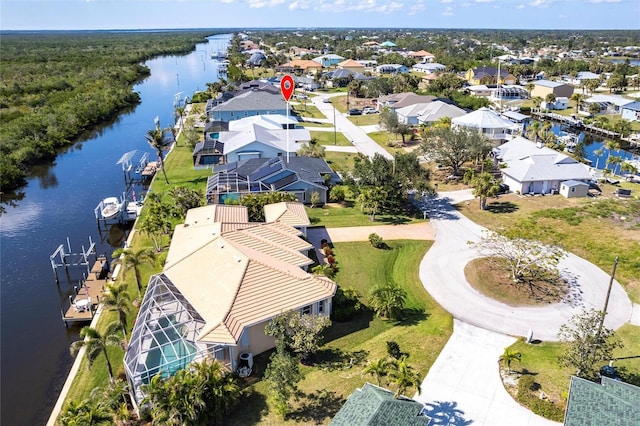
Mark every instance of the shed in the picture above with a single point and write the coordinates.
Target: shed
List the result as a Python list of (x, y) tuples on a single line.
[(574, 188)]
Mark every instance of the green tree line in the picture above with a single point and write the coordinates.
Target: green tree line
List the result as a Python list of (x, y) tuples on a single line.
[(55, 86)]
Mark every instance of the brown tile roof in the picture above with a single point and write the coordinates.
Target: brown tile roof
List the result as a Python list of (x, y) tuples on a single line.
[(217, 213), (242, 276), (350, 63), (419, 54), (290, 213), (302, 64)]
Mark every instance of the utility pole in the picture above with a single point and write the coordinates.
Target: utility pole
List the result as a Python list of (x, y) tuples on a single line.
[(606, 300)]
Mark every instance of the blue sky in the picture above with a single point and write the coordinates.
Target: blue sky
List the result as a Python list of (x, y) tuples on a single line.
[(144, 14)]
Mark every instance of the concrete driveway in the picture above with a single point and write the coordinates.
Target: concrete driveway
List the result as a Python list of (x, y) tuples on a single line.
[(464, 387), (442, 274)]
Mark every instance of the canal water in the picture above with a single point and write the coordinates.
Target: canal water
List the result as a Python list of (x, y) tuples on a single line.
[(57, 204)]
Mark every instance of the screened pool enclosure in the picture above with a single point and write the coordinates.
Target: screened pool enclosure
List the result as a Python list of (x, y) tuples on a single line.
[(164, 337)]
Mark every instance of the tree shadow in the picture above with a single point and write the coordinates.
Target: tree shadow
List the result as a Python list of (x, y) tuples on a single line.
[(629, 376), (332, 359), (359, 322), (317, 406), (393, 220), (249, 410), (501, 207), (439, 208), (445, 414), (412, 316)]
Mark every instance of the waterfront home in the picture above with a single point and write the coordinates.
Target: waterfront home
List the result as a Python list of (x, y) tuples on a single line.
[(631, 111), (427, 113), (536, 169), (611, 104), (541, 88), (429, 67), (301, 176), (224, 279), (494, 127), (249, 103)]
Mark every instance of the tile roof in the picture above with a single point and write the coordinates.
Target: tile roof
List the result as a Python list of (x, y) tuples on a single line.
[(293, 214), (609, 403), (252, 100), (239, 277), (375, 406)]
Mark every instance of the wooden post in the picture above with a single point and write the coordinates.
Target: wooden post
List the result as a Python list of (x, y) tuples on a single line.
[(606, 300)]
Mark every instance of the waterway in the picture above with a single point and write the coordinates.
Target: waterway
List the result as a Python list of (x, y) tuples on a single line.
[(58, 203)]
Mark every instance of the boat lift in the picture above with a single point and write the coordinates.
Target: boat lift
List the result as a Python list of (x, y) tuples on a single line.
[(133, 161), (65, 258)]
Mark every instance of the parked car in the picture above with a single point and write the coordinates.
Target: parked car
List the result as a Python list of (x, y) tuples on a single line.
[(355, 111), (301, 96), (326, 100), (369, 110), (504, 189)]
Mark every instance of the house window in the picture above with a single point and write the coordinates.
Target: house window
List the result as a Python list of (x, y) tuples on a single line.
[(306, 310), (321, 307), (573, 190)]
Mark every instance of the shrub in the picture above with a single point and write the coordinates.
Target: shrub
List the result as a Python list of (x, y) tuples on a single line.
[(327, 251), (346, 304), (376, 241), (527, 388)]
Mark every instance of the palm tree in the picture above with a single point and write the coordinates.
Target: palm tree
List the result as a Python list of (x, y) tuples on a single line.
[(157, 140), (87, 412), (484, 186), (220, 391), (130, 258), (509, 356), (118, 298), (114, 397), (578, 98), (611, 145), (628, 168), (312, 149), (404, 378), (388, 300), (378, 368), (96, 343), (598, 153), (614, 161), (533, 130)]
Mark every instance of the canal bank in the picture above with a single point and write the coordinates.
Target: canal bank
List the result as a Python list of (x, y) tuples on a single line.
[(58, 203)]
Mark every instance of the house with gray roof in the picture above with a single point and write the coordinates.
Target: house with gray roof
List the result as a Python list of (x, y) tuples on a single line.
[(542, 88), (392, 69), (608, 403), (429, 67), (301, 176), (395, 101), (428, 113), (250, 103), (535, 169), (631, 111), (375, 406)]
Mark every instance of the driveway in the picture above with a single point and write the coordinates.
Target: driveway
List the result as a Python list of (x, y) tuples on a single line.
[(464, 387), (442, 274)]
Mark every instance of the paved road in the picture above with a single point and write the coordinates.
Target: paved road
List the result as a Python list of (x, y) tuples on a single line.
[(442, 274), (356, 135)]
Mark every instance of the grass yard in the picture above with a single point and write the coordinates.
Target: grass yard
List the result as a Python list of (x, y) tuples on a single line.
[(315, 124), (335, 215), (340, 161), (595, 229), (308, 110), (365, 119), (327, 138), (423, 333)]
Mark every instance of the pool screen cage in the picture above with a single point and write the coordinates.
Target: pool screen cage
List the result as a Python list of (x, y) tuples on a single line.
[(163, 339)]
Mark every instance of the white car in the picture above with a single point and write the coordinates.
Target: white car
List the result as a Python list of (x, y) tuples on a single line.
[(369, 110), (301, 96)]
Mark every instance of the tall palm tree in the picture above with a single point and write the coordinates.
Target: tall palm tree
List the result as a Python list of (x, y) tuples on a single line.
[(404, 378), (96, 343), (378, 368), (533, 130), (578, 98), (114, 397), (118, 298), (611, 145), (157, 140), (509, 356), (598, 153), (220, 389), (130, 258), (614, 161)]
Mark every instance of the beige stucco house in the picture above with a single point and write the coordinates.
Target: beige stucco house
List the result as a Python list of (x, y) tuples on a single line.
[(224, 279)]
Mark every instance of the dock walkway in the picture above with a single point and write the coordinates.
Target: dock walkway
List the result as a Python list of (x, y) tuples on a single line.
[(83, 306)]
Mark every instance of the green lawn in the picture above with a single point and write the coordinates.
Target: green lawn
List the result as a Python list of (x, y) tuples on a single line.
[(327, 138), (308, 110), (340, 161), (365, 119), (422, 334), (350, 214)]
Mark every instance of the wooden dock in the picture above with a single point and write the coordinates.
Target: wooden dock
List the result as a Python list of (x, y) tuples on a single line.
[(84, 303)]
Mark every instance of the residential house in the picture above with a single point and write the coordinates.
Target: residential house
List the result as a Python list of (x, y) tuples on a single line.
[(300, 66), (262, 136), (494, 127), (395, 101), (368, 63), (479, 90), (427, 113), (536, 169), (611, 104), (422, 56), (489, 75), (372, 405), (301, 176), (583, 76), (392, 69), (329, 60), (542, 88), (351, 65), (631, 111), (608, 403), (429, 67), (301, 51), (223, 280), (289, 213), (559, 103), (209, 152), (341, 77), (249, 103), (388, 44), (520, 120)]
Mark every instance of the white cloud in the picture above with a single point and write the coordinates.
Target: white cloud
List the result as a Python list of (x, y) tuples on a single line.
[(447, 1), (520, 6), (418, 7), (540, 3), (605, 1), (448, 11), (483, 1), (257, 4)]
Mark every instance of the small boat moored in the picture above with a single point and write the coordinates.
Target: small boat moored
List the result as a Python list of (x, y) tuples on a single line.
[(110, 207)]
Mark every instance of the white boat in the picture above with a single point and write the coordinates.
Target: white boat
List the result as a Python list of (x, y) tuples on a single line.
[(110, 207)]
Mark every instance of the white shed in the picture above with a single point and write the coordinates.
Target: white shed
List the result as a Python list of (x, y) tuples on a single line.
[(574, 188)]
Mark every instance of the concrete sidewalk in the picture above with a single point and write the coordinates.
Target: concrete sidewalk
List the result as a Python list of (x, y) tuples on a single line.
[(464, 387)]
